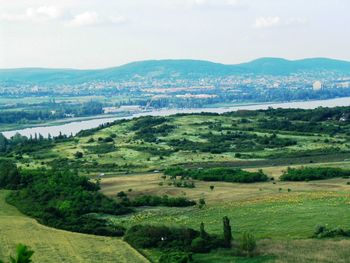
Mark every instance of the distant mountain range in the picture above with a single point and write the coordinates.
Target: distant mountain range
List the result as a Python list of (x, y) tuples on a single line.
[(170, 69)]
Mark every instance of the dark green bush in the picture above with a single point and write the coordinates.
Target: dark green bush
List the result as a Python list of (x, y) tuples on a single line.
[(152, 200), (218, 174), (62, 199), (322, 231), (9, 175), (313, 173), (175, 257), (147, 236)]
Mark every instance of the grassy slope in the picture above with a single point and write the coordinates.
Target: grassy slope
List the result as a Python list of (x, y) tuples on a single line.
[(282, 221), (129, 159), (51, 245), (261, 208)]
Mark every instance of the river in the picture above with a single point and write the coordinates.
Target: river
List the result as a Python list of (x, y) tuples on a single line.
[(75, 127)]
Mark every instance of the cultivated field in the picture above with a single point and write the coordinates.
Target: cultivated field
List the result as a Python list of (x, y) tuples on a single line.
[(52, 245)]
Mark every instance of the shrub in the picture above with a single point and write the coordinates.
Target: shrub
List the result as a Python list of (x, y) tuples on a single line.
[(9, 175), (200, 245), (324, 232), (247, 243), (201, 202), (78, 155), (227, 232), (147, 236), (175, 257), (313, 173), (153, 200), (23, 255), (108, 139), (62, 199), (218, 174)]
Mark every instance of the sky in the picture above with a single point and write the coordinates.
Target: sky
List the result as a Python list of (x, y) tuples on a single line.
[(107, 33)]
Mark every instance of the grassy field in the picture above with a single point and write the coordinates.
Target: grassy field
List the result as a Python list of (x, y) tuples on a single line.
[(129, 154), (267, 209), (282, 221), (52, 245), (282, 215)]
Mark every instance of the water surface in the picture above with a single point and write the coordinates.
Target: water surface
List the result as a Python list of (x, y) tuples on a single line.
[(74, 127)]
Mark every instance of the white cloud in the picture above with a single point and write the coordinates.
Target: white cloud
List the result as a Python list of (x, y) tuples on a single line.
[(215, 3), (264, 22), (52, 13), (39, 14), (276, 21), (91, 18), (84, 19)]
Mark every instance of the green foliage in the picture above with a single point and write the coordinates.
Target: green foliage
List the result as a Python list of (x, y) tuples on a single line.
[(247, 243), (322, 231), (101, 148), (152, 200), (201, 202), (227, 232), (175, 257), (200, 245), (78, 155), (148, 236), (165, 238), (218, 174), (23, 254), (9, 175), (63, 199), (313, 173), (150, 128), (305, 127)]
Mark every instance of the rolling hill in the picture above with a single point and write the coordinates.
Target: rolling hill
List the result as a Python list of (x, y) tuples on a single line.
[(170, 69)]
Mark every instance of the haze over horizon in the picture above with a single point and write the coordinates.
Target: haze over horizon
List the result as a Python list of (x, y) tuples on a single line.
[(89, 35)]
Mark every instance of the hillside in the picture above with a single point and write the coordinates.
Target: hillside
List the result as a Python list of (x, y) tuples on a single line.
[(169, 69), (131, 160), (52, 245)]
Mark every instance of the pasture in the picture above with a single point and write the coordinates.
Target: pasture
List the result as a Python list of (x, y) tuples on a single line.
[(283, 220)]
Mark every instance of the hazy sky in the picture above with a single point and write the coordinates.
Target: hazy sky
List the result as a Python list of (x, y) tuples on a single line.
[(103, 33)]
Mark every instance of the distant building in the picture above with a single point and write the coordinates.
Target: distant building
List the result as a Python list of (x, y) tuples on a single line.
[(128, 108), (317, 85), (344, 85)]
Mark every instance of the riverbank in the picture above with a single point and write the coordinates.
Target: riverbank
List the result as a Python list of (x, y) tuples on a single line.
[(78, 125)]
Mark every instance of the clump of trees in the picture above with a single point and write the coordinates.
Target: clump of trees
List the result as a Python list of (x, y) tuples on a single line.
[(218, 174), (180, 239), (180, 243), (150, 128), (9, 175), (153, 200), (313, 173), (61, 199), (322, 231)]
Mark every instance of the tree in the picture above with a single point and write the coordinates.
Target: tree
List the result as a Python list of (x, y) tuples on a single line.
[(78, 155), (227, 232), (201, 202), (9, 175), (4, 144), (202, 233), (23, 254), (211, 187)]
